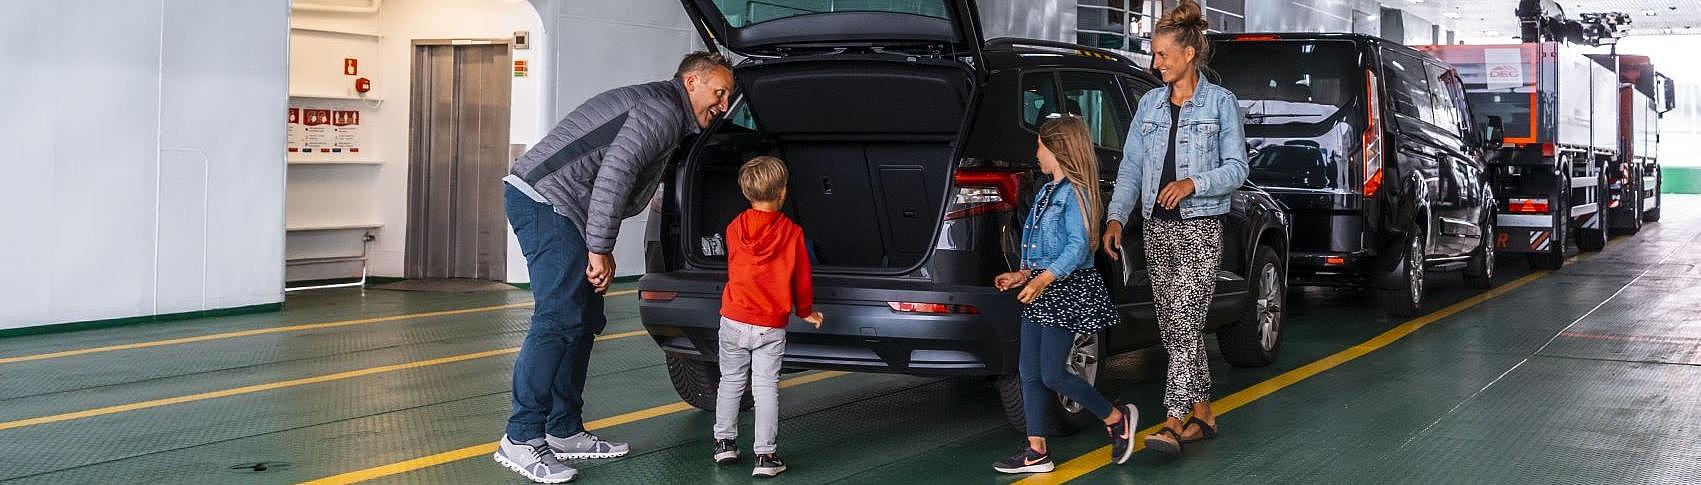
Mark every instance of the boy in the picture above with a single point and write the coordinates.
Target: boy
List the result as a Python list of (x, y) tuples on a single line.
[(767, 277)]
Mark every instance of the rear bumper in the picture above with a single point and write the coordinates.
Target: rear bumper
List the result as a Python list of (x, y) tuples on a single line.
[(861, 332), (1322, 268)]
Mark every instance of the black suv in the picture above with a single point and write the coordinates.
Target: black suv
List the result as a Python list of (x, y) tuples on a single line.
[(910, 143), (1373, 149)]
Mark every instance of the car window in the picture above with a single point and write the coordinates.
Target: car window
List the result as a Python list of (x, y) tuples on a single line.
[(1039, 98), (1455, 88), (1446, 110), (1408, 85), (1097, 99)]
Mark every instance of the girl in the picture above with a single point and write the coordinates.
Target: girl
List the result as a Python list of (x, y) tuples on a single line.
[(1184, 157), (1062, 293)]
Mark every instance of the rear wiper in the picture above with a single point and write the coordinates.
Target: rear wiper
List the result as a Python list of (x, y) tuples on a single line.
[(1260, 116)]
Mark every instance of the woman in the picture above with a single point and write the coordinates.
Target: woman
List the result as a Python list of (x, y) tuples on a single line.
[(1184, 157), (1062, 294)]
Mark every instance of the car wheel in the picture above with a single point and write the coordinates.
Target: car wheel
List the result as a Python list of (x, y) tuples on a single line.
[(698, 382), (1063, 415), (1479, 272), (1405, 298), (1252, 340)]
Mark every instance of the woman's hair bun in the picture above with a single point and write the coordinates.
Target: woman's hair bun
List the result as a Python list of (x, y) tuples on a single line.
[(1185, 16)]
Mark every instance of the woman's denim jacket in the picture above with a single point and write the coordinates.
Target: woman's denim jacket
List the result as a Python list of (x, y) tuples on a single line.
[(1210, 149), (1056, 239)]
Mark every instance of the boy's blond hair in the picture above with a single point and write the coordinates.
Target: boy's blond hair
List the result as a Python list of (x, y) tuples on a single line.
[(762, 179)]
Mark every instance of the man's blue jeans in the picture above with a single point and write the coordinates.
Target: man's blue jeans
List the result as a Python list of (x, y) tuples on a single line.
[(549, 374)]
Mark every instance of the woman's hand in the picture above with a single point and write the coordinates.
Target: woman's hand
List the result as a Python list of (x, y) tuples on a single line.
[(1112, 240), (1174, 192), (1011, 280), (1036, 286)]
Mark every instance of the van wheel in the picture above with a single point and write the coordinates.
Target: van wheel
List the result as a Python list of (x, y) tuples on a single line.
[(1253, 339), (1479, 272), (697, 382), (1063, 416), (1405, 298), (1596, 239)]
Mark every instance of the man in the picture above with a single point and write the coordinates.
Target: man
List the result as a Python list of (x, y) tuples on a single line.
[(565, 199)]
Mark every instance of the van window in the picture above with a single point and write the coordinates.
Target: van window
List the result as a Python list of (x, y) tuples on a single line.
[(1096, 98), (1408, 85), (1290, 85), (1447, 115)]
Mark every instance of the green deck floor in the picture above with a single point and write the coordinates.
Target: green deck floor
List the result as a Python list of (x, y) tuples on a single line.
[(1589, 374)]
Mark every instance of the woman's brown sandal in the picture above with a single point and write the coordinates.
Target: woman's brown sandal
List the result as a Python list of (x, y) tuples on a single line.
[(1171, 446)]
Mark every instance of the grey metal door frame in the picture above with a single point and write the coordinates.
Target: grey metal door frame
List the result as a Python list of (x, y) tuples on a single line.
[(458, 153)]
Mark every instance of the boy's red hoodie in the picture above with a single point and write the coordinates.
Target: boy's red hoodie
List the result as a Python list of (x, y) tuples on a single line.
[(767, 270)]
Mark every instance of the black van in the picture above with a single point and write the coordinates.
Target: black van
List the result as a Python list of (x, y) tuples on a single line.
[(1373, 149), (911, 143)]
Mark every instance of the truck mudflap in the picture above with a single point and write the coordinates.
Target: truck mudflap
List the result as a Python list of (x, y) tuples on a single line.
[(1523, 240)]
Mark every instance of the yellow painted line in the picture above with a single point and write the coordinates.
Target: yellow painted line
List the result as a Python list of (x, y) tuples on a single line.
[(264, 331), (237, 391), (1098, 458), (489, 448)]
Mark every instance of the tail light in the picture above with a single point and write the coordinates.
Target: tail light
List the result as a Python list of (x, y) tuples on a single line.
[(1334, 261), (914, 307), (1257, 37), (1547, 149), (1526, 206), (1372, 136), (648, 295), (982, 192)]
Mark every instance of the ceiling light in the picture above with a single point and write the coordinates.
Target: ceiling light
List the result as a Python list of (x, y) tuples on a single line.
[(1416, 1), (1490, 33), (1452, 15), (1650, 12)]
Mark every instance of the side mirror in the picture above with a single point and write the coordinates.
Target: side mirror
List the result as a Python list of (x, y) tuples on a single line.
[(1669, 90), (1495, 135)]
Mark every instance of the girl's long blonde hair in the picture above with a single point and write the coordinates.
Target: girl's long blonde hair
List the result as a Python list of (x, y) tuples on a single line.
[(1068, 139)]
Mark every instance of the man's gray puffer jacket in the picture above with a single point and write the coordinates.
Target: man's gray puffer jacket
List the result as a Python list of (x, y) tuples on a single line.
[(602, 163)]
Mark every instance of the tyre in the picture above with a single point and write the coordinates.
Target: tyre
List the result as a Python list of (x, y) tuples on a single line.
[(697, 382), (1405, 297), (1547, 261), (1632, 215), (1062, 416), (1596, 239), (1479, 271), (1252, 341), (1653, 215), (1554, 258)]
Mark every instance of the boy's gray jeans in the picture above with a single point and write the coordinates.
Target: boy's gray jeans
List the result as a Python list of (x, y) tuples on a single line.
[(750, 354)]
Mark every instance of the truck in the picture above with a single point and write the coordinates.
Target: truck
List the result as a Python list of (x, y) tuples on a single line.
[(1579, 159), (1644, 94)]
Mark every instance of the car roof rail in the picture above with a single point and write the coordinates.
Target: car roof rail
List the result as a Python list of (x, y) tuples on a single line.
[(1078, 48)]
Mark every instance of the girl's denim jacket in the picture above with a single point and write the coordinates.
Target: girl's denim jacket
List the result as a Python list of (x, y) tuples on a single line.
[(1055, 235)]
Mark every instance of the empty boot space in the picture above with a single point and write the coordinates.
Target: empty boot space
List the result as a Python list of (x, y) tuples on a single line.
[(861, 204)]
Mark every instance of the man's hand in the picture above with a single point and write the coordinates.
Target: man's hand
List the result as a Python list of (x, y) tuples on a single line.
[(1112, 240), (815, 319), (600, 271), (1174, 192), (1036, 286)]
